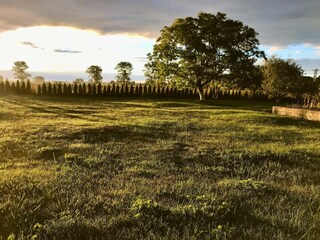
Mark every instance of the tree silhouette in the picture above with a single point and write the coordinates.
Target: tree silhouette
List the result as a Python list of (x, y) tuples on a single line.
[(94, 73), (19, 71), (124, 71)]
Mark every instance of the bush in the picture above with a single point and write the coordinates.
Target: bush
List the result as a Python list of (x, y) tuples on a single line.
[(281, 77)]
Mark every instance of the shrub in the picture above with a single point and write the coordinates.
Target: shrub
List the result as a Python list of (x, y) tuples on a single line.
[(281, 77)]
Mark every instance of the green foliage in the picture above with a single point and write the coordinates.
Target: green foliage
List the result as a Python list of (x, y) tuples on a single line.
[(196, 51), (95, 73), (249, 76), (281, 77), (124, 71), (307, 87)]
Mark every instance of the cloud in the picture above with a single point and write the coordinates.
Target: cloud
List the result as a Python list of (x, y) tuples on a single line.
[(30, 44), (279, 22), (317, 50), (66, 51), (274, 49)]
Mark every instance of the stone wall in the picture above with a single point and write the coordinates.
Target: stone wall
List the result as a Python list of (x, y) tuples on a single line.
[(297, 112)]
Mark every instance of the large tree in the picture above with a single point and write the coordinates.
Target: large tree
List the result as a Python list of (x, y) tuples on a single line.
[(197, 51), (19, 71), (124, 71), (95, 73), (282, 77)]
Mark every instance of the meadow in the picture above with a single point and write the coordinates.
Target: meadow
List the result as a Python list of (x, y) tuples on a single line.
[(77, 168)]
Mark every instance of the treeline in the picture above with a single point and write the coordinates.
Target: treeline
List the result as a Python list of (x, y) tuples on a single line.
[(114, 90)]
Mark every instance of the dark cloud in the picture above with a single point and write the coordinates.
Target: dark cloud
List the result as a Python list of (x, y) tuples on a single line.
[(279, 22), (66, 51), (29, 44)]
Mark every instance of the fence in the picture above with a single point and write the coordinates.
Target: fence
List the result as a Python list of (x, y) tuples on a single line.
[(130, 91)]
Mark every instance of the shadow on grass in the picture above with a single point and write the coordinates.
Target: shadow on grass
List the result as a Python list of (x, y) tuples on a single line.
[(287, 121), (132, 133)]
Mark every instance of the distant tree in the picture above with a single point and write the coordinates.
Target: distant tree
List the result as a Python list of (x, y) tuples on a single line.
[(124, 71), (281, 77), (197, 51), (78, 80), (1, 78), (95, 73), (38, 79), (19, 71), (152, 73)]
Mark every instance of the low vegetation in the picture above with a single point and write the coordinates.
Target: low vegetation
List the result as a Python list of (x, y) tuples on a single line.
[(156, 169)]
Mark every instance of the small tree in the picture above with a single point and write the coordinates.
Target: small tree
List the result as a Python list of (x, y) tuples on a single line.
[(124, 71), (38, 80), (94, 73), (281, 77), (19, 71)]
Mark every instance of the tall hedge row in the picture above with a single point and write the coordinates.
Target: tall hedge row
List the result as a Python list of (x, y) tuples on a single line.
[(113, 90)]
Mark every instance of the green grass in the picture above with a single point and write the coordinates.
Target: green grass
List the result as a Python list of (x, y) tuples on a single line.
[(77, 168)]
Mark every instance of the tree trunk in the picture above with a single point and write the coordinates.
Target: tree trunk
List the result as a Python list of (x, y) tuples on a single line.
[(201, 94)]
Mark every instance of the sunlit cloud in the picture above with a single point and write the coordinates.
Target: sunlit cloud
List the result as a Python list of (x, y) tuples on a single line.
[(275, 49), (317, 50), (67, 49)]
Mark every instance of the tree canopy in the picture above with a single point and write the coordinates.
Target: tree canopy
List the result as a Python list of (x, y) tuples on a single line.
[(282, 77), (196, 51), (19, 71), (124, 71), (95, 73)]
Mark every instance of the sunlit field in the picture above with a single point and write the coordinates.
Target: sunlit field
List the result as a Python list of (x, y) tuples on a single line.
[(76, 168)]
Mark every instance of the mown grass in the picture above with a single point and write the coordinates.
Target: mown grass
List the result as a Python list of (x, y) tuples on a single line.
[(75, 168)]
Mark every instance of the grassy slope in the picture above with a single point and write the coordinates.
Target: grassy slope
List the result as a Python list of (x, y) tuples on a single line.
[(79, 169)]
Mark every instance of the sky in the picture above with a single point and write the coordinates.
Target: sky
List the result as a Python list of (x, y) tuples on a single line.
[(60, 39)]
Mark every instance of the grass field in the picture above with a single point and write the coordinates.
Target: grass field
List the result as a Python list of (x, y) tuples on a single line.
[(156, 169)]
